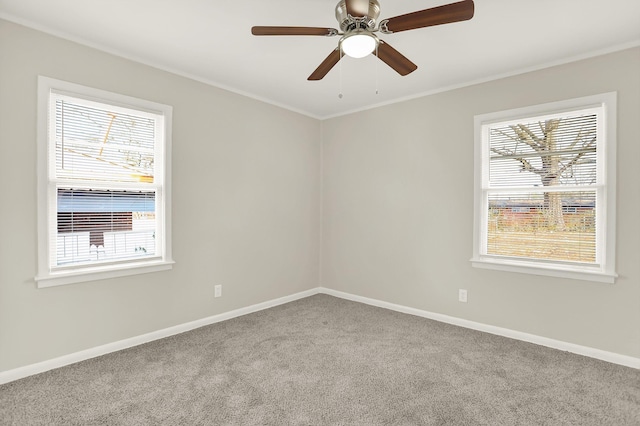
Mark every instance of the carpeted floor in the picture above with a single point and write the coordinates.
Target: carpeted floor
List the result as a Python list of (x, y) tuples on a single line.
[(328, 361)]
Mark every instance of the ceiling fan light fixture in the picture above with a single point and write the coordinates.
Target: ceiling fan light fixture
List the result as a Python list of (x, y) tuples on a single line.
[(358, 45)]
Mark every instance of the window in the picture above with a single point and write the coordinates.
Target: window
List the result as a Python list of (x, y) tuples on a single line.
[(545, 189), (103, 184)]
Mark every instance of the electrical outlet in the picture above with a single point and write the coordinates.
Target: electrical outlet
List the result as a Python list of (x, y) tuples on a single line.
[(217, 291), (462, 295)]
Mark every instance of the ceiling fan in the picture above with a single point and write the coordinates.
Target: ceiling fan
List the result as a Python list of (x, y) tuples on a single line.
[(358, 23)]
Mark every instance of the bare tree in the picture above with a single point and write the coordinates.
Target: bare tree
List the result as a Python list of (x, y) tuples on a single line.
[(557, 162)]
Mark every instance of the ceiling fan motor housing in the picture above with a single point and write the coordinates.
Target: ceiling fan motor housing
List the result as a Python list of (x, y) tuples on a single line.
[(368, 11)]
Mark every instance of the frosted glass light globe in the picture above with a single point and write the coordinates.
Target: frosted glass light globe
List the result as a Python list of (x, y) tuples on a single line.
[(358, 45)]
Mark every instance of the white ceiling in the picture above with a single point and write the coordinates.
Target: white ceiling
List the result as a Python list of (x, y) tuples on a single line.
[(210, 40)]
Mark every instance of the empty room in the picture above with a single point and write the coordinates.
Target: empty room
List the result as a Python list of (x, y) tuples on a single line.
[(320, 212)]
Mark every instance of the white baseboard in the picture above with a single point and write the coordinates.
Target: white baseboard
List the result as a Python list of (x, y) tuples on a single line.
[(611, 357), (29, 370), (41, 367)]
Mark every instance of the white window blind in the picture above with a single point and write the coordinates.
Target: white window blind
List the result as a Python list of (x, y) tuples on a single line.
[(106, 186), (545, 188), (104, 181), (542, 186)]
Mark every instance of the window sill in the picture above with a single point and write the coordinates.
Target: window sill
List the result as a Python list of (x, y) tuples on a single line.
[(561, 271), (101, 273)]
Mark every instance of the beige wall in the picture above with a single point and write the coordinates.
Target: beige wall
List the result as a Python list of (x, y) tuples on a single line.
[(396, 211), (398, 200), (245, 205)]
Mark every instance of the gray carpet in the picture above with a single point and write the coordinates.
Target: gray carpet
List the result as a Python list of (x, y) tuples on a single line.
[(328, 361)]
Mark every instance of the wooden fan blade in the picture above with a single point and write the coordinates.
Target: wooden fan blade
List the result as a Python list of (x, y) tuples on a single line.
[(293, 31), (357, 8), (446, 14), (326, 65), (395, 59)]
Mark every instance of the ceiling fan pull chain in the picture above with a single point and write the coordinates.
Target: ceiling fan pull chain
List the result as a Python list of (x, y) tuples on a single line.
[(340, 76), (377, 71)]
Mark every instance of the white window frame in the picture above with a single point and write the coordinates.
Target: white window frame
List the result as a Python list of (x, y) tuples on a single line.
[(48, 276), (604, 270)]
